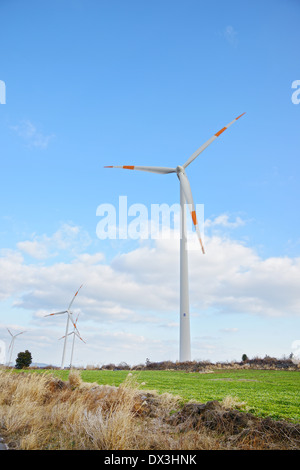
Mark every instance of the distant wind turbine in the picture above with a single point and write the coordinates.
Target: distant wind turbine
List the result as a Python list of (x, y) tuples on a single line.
[(11, 346), (69, 317), (74, 333), (185, 197)]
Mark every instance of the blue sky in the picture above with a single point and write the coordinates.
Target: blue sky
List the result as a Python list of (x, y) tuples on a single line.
[(94, 83)]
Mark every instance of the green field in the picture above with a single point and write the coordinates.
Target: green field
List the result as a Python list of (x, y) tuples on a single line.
[(266, 392)]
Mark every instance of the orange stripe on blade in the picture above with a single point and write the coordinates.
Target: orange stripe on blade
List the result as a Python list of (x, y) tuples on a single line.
[(240, 116), (220, 132), (128, 167), (108, 167), (194, 217)]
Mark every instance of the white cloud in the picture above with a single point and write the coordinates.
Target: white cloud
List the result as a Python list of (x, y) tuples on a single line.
[(230, 35), (31, 135), (68, 237), (230, 277), (34, 248), (223, 221)]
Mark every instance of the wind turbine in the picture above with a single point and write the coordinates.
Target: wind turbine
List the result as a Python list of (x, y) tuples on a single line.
[(69, 317), (185, 196), (11, 346), (74, 333)]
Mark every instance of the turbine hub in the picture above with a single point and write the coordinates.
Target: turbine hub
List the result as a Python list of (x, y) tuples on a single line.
[(179, 169)]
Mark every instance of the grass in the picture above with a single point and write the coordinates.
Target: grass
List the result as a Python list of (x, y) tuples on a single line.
[(266, 392), (114, 410)]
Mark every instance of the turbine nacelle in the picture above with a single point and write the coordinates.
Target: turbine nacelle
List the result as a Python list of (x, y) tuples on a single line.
[(180, 169)]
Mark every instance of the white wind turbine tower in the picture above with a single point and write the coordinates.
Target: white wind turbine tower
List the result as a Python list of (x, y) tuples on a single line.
[(11, 346), (69, 317), (185, 197), (74, 333)]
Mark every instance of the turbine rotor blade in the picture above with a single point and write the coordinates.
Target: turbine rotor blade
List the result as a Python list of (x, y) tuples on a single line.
[(152, 169), (204, 146), (9, 332), (80, 337), (56, 313), (72, 321), (74, 333), (189, 199), (76, 329), (74, 297)]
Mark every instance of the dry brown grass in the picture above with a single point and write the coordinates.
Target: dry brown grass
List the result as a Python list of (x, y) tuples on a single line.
[(38, 411)]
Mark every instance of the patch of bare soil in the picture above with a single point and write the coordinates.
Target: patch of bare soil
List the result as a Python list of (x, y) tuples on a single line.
[(238, 429), (229, 379)]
